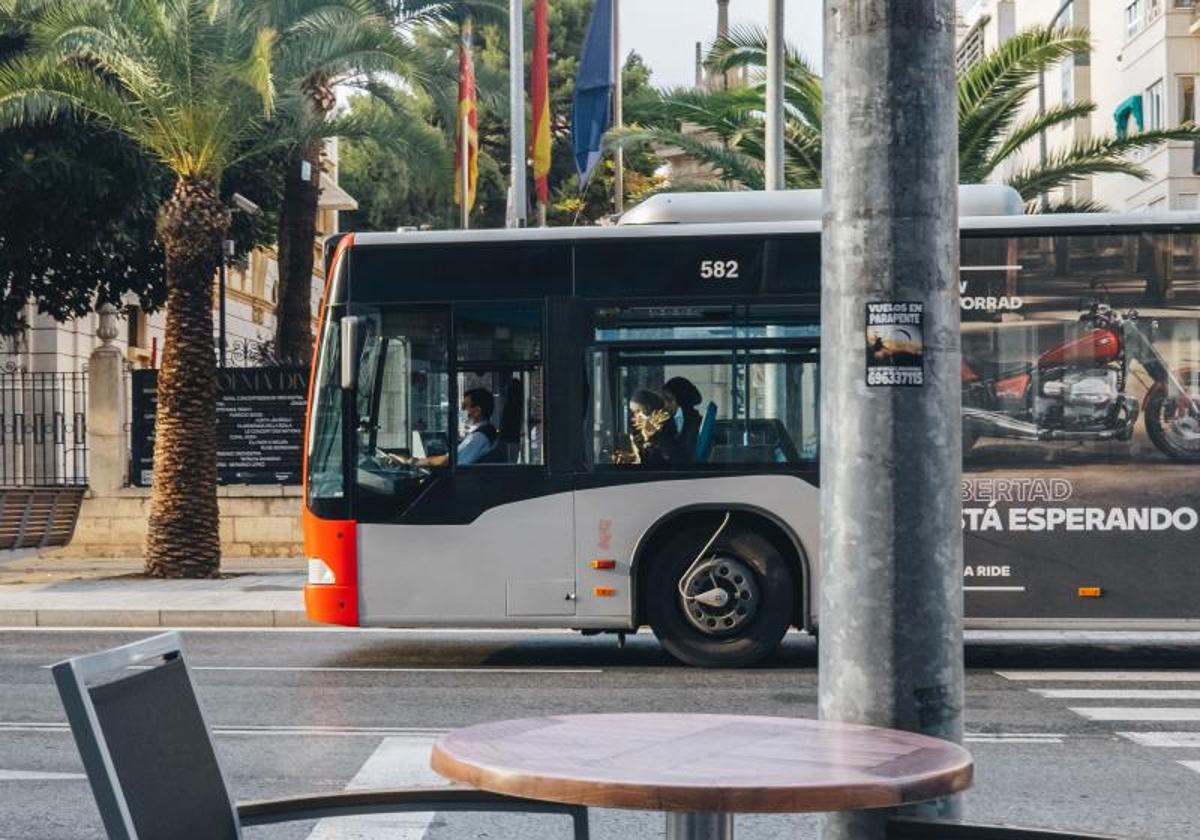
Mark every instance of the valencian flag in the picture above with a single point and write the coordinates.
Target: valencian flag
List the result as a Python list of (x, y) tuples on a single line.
[(593, 90), (540, 86), (468, 113)]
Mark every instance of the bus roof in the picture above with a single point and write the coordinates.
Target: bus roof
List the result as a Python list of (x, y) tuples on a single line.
[(1023, 225), (792, 205)]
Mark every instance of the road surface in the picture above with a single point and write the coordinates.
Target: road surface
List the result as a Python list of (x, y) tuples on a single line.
[(1103, 736)]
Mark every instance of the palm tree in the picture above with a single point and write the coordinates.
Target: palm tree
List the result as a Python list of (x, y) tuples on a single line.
[(190, 83), (725, 130), (363, 44), (322, 44)]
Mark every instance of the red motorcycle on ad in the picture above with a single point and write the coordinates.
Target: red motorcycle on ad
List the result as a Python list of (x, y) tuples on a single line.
[(1077, 391)]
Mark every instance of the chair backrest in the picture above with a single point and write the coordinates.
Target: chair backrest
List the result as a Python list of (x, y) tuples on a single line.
[(145, 745), (704, 438)]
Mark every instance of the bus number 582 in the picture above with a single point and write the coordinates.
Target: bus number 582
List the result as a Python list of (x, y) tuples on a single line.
[(718, 269)]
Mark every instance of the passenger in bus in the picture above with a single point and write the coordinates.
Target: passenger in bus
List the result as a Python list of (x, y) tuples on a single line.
[(680, 398), (652, 432), (480, 438)]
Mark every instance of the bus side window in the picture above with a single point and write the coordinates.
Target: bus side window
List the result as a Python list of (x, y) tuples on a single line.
[(498, 348), (756, 406)]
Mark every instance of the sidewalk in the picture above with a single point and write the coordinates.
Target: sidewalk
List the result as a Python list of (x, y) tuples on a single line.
[(102, 592)]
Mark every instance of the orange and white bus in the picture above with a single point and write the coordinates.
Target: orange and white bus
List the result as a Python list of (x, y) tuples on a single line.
[(606, 502)]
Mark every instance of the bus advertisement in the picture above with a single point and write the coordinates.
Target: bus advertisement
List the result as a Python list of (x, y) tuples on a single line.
[(606, 428)]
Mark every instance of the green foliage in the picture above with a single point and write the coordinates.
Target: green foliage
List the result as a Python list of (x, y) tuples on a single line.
[(77, 223), (427, 202), (725, 129), (190, 82), (395, 190)]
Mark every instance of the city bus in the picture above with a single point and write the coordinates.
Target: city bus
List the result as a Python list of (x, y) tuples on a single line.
[(649, 400)]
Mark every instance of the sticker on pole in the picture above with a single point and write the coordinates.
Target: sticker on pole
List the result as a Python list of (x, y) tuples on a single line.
[(895, 344)]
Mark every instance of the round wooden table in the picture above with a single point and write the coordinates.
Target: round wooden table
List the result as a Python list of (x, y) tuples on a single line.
[(701, 769)]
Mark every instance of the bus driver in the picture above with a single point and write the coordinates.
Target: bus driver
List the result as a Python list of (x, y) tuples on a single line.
[(480, 437)]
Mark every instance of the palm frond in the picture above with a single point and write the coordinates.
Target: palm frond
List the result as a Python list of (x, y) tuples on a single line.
[(746, 46), (732, 166), (1015, 62), (1006, 146), (1065, 206), (1093, 157), (992, 93)]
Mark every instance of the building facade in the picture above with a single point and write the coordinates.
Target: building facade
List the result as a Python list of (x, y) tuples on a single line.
[(1142, 73)]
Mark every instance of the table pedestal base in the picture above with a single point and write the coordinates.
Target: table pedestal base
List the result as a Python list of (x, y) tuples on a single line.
[(704, 825)]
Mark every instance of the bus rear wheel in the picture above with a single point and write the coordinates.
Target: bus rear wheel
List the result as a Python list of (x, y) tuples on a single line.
[(726, 609)]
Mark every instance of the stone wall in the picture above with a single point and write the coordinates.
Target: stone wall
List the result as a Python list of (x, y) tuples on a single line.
[(256, 521)]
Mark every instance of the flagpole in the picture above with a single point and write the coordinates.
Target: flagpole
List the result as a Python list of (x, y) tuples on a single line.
[(516, 96), (464, 145), (618, 117)]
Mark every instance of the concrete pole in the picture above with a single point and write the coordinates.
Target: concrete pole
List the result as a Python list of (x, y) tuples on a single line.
[(618, 111), (891, 546), (107, 456), (774, 128), (516, 95)]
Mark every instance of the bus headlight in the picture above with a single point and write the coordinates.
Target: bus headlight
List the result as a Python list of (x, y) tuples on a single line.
[(318, 572)]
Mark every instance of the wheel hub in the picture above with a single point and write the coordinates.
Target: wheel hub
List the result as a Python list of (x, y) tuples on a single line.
[(719, 595)]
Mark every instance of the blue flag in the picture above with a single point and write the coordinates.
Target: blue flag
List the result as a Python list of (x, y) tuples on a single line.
[(593, 91)]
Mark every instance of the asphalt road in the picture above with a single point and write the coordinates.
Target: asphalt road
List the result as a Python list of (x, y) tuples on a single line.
[(308, 711)]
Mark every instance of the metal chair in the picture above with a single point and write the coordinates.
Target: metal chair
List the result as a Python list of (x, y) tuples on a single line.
[(149, 757), (915, 828)]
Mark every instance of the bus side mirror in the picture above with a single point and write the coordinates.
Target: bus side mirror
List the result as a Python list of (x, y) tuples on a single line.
[(352, 332)]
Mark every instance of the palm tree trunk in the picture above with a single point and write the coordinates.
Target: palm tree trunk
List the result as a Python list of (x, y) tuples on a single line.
[(183, 539), (297, 237)]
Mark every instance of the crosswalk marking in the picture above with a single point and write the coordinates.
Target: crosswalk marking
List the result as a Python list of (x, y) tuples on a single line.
[(1171, 740), (1138, 709), (1119, 693), (1102, 676), (1144, 713), (401, 761)]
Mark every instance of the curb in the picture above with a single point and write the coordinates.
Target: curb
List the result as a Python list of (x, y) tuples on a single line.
[(155, 618)]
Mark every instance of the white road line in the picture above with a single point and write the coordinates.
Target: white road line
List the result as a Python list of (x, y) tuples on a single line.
[(321, 669), (429, 733), (1028, 738), (1146, 713), (397, 762), (1101, 676), (337, 670), (257, 729), (1171, 740), (1119, 693), (1191, 765), (37, 776)]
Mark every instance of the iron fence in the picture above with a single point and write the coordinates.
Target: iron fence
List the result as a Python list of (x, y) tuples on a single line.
[(43, 429)]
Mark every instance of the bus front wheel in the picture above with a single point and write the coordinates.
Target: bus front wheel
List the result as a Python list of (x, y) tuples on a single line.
[(728, 608)]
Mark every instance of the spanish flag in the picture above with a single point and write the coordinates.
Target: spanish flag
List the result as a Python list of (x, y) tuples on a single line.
[(540, 87), (468, 118)]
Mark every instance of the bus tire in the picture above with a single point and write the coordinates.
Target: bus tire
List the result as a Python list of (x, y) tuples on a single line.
[(772, 592)]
